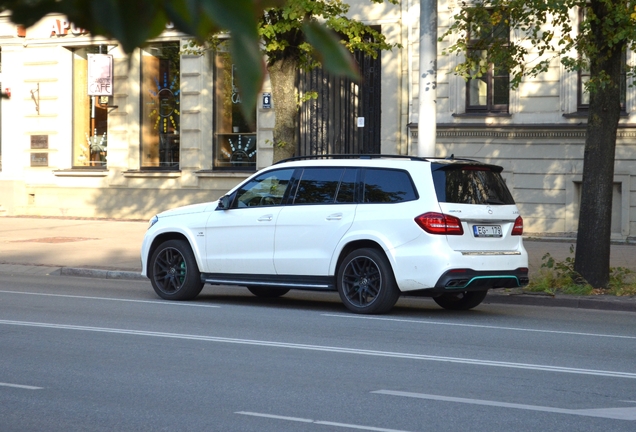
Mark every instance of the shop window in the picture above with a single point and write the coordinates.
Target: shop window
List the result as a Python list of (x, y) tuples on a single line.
[(160, 110), (490, 92), (235, 135), (90, 115)]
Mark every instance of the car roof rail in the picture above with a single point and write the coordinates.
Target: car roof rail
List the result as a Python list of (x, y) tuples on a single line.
[(353, 156)]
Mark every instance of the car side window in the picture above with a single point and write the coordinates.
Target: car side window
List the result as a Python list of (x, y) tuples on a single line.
[(347, 189), (264, 190), (387, 186), (318, 185)]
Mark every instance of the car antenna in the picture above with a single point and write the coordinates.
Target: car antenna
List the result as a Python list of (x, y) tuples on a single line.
[(452, 156)]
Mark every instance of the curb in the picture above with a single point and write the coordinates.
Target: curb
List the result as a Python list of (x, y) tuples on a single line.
[(611, 303), (102, 274)]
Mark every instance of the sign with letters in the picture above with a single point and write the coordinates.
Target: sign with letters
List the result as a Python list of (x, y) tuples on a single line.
[(100, 75)]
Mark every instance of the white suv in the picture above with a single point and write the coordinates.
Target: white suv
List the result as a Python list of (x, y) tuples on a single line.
[(371, 227)]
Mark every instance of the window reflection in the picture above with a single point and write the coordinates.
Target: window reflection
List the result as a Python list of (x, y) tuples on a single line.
[(90, 114), (235, 144), (161, 112)]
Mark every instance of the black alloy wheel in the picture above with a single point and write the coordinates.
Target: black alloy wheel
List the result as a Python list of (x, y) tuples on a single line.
[(174, 273), (461, 300), (366, 283)]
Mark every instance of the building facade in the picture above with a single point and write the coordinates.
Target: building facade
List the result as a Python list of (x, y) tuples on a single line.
[(169, 132)]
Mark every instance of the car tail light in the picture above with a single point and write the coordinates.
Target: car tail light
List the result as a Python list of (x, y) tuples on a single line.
[(438, 223), (517, 229)]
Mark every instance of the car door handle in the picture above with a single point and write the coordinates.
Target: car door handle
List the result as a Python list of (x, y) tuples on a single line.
[(266, 218), (335, 216)]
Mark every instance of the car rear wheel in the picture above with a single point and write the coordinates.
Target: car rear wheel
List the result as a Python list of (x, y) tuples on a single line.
[(366, 283), (461, 300), (267, 292), (174, 273)]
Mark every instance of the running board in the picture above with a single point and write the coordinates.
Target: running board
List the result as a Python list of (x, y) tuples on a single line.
[(313, 283)]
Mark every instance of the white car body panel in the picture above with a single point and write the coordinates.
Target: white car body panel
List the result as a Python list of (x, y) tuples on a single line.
[(241, 240), (307, 236)]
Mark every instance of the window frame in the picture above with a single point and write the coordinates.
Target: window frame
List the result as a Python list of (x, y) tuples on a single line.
[(242, 142), (172, 166), (96, 145), (478, 44)]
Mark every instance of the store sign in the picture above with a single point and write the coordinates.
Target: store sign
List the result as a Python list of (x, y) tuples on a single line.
[(62, 28), (100, 75)]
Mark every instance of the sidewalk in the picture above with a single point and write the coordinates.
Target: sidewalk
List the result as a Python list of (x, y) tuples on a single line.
[(110, 249)]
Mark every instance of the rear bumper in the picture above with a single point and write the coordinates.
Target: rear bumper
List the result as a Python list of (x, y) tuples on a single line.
[(468, 279)]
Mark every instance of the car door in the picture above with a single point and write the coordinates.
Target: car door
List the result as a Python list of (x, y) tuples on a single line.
[(240, 239), (320, 212)]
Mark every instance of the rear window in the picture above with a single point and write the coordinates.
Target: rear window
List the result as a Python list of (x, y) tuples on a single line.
[(387, 186), (470, 184)]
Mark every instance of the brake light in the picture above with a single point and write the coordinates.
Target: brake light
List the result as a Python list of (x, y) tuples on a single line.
[(438, 223), (517, 229)]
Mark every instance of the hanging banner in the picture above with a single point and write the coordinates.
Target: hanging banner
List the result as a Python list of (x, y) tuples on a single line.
[(100, 75)]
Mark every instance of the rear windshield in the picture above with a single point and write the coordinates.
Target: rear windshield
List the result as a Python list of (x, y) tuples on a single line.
[(470, 184)]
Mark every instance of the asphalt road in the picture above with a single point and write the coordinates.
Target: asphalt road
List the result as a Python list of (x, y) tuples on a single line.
[(104, 355)]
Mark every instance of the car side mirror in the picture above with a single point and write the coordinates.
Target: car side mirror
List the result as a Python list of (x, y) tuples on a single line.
[(224, 203)]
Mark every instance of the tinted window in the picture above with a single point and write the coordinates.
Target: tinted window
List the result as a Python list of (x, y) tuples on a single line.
[(470, 185), (347, 189), (387, 186), (318, 185), (266, 189)]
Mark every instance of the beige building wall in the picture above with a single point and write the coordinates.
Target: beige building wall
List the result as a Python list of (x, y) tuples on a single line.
[(539, 143)]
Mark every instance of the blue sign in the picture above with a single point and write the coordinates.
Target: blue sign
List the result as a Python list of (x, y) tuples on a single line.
[(267, 100)]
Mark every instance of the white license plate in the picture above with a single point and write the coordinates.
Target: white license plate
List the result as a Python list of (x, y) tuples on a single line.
[(487, 230)]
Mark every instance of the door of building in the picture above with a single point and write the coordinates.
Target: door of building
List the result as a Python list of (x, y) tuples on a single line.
[(346, 116)]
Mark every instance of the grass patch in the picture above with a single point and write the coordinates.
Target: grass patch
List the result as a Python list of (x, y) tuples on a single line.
[(559, 277)]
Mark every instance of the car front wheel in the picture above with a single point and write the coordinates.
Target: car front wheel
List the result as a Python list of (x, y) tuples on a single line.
[(174, 273), (461, 300), (366, 283)]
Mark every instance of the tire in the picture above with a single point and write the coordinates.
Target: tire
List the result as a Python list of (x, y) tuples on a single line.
[(366, 283), (267, 292), (173, 271), (461, 300)]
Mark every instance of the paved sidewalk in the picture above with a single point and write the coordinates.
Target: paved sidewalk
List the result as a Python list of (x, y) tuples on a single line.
[(110, 249)]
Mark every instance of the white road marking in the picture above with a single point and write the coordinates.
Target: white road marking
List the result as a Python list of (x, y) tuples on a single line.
[(608, 413), (318, 422), (20, 386), (413, 321), (331, 349), (161, 302)]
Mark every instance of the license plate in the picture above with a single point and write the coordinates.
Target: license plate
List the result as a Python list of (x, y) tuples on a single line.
[(487, 230)]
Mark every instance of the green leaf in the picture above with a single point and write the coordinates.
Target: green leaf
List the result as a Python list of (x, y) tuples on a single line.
[(330, 52)]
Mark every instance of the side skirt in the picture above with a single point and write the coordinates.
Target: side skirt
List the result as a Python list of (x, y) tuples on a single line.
[(312, 283)]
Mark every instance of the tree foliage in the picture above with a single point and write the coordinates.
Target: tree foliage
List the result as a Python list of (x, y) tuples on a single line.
[(543, 32)]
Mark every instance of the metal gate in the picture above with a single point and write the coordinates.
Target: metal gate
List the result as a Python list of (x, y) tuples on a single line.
[(346, 116)]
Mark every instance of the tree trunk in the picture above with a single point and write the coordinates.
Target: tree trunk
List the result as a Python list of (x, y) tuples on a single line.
[(283, 77), (592, 258)]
